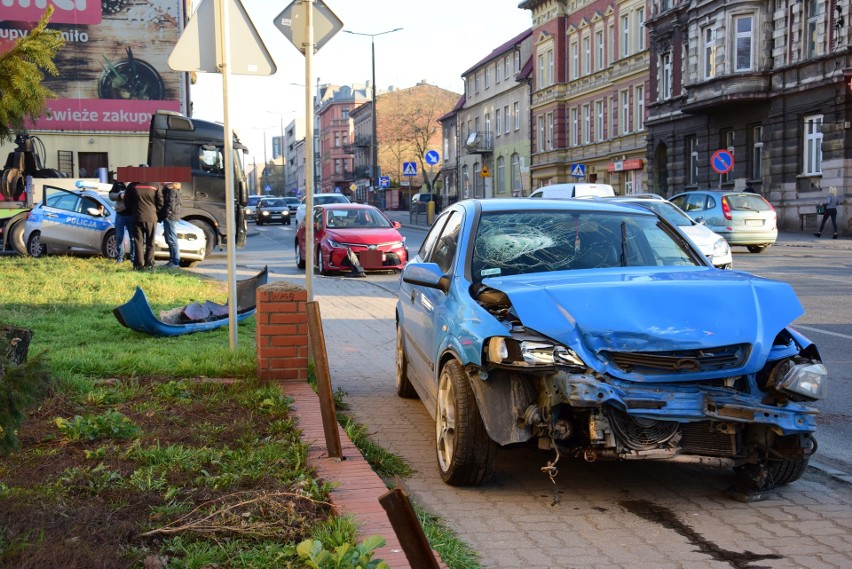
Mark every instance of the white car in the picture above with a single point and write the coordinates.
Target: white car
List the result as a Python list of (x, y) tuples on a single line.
[(711, 244), (83, 222), (319, 199)]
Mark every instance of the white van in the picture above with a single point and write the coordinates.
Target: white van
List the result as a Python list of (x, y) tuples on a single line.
[(562, 191)]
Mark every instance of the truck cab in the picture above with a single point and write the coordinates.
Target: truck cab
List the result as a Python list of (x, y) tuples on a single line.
[(177, 140)]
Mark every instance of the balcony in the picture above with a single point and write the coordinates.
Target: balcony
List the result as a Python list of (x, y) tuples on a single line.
[(479, 142), (363, 141), (721, 92)]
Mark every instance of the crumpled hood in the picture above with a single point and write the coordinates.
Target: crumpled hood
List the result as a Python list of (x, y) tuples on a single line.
[(364, 236), (653, 309)]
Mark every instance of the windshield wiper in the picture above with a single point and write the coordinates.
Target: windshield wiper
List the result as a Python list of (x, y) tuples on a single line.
[(623, 244)]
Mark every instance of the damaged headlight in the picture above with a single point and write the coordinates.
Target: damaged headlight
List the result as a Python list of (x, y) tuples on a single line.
[(804, 381), (530, 353)]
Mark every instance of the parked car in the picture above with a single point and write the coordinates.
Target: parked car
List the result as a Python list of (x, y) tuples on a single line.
[(342, 231), (711, 244), (292, 203), (270, 210), (742, 218), (594, 329), (319, 199), (83, 222), (251, 207)]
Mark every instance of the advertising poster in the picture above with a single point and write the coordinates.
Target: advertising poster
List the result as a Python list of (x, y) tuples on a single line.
[(113, 70)]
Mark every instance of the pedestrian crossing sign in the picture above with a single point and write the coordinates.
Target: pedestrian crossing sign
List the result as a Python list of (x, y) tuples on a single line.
[(409, 168), (578, 170)]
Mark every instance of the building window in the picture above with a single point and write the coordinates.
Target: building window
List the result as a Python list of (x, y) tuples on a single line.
[(575, 61), (666, 76), (497, 118), (517, 112), (551, 71), (587, 124), (709, 64), (587, 56), (487, 76), (640, 32), (813, 146), (550, 131), (744, 30), (575, 125), (500, 176), (465, 181), (476, 82), (599, 121), (345, 113), (516, 175), (336, 139), (610, 47), (497, 72), (625, 36), (337, 166), (506, 68), (541, 81), (692, 159), (599, 50), (624, 116), (540, 142), (814, 16), (506, 121), (487, 126), (517, 62), (757, 153), (639, 112)]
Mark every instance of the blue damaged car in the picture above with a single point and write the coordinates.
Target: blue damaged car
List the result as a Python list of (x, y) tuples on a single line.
[(599, 331)]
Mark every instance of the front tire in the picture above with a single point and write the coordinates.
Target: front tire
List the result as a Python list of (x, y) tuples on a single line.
[(300, 262), (404, 388), (109, 248), (465, 452), (756, 248), (34, 245), (209, 234), (320, 265)]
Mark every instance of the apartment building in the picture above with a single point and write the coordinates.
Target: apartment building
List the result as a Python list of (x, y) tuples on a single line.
[(767, 81), (491, 125), (589, 93), (335, 134)]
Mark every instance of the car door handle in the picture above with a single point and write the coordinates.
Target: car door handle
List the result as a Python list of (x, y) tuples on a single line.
[(413, 292)]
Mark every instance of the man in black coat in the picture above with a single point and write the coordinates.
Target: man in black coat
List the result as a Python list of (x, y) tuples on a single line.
[(170, 214), (144, 201)]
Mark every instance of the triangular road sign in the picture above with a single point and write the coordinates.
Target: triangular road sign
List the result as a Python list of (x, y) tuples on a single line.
[(195, 51)]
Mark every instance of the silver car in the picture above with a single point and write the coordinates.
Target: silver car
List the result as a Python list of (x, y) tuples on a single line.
[(83, 222), (742, 218)]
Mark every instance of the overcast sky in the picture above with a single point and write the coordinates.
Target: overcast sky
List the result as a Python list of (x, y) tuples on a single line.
[(440, 39)]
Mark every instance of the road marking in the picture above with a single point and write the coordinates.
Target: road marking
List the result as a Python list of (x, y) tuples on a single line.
[(821, 331)]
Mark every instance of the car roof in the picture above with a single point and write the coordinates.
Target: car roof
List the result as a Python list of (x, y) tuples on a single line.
[(344, 206), (525, 204)]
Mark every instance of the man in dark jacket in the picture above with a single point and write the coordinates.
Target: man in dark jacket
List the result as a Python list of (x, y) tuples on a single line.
[(145, 201), (170, 214), (123, 221)]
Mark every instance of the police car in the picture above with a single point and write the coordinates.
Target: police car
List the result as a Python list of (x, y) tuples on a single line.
[(83, 222)]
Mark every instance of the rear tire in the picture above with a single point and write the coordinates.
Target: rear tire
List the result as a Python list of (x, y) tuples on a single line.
[(209, 234), (35, 248), (404, 388), (756, 248), (465, 452), (15, 237)]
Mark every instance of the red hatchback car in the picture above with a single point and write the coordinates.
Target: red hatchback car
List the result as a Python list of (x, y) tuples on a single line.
[(356, 229)]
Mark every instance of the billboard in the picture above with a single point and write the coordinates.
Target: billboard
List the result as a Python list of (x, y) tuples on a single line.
[(113, 70)]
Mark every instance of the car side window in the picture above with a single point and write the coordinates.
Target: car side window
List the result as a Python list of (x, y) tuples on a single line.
[(445, 248), (432, 236), (64, 201)]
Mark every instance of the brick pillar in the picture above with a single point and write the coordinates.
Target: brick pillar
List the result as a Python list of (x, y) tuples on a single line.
[(282, 332)]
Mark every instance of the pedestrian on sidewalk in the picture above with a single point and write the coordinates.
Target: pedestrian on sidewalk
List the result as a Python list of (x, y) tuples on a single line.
[(170, 216), (145, 201), (830, 211), (123, 221)]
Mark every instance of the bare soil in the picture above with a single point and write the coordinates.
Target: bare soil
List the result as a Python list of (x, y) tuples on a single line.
[(59, 508)]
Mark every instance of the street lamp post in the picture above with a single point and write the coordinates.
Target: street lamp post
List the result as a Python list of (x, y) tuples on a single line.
[(374, 159)]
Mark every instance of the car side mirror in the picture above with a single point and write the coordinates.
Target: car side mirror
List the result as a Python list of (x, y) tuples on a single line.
[(700, 220), (429, 275), (396, 225)]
